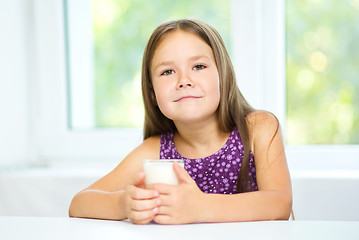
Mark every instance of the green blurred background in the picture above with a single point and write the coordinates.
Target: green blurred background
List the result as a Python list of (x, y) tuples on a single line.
[(322, 65), (322, 72)]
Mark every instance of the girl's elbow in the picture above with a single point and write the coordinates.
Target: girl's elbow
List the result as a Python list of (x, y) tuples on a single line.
[(284, 209), (71, 210), (73, 207)]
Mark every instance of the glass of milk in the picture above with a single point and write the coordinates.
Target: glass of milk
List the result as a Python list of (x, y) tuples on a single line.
[(161, 170)]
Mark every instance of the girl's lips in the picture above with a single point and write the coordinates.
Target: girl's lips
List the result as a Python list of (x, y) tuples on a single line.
[(185, 98)]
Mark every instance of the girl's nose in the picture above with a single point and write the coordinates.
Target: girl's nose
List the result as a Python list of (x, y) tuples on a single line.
[(185, 81), (182, 85)]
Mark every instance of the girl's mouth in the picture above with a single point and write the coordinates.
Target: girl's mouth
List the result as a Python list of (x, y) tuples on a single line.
[(186, 98)]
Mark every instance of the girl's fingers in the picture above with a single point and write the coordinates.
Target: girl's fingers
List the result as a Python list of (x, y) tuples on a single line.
[(140, 180), (166, 200), (142, 217), (163, 219), (164, 210), (161, 188), (144, 205), (141, 204), (182, 174), (140, 193)]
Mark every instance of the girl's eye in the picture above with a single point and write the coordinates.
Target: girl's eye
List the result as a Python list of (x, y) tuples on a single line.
[(199, 67), (168, 72)]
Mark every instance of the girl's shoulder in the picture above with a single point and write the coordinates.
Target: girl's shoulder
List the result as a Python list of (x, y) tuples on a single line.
[(261, 118), (151, 145), (149, 148), (262, 125)]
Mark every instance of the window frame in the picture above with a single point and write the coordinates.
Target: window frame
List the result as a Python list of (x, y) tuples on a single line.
[(259, 34), (56, 143)]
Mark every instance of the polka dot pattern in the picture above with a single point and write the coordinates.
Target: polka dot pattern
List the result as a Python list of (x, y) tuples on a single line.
[(217, 173)]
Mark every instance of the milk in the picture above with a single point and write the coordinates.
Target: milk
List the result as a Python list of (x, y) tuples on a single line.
[(161, 170)]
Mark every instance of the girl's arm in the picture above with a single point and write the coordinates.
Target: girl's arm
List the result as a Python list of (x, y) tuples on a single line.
[(186, 203), (120, 194)]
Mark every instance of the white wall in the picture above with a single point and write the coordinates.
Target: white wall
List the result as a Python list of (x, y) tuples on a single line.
[(48, 192), (42, 192), (15, 42)]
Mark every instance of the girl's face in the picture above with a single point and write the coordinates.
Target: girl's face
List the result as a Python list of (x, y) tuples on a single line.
[(185, 78)]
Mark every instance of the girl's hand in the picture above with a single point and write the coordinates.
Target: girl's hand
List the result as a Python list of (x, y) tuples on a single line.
[(141, 205), (179, 203)]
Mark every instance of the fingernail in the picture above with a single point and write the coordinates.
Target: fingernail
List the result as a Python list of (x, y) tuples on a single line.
[(155, 210), (158, 202), (156, 194)]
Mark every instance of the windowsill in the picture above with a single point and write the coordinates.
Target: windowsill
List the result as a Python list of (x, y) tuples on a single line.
[(88, 172), (92, 171), (48, 191), (325, 174)]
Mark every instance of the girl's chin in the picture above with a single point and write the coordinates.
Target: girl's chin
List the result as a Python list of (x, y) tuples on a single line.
[(191, 119)]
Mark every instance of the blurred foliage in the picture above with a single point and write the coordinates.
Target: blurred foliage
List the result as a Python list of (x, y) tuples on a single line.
[(121, 29), (322, 72)]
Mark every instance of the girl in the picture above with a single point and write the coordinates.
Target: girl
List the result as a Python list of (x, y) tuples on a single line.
[(234, 156)]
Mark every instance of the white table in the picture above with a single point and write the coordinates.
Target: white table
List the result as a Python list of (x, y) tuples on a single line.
[(73, 228)]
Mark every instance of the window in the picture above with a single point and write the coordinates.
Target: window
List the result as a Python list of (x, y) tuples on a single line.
[(70, 130), (322, 72)]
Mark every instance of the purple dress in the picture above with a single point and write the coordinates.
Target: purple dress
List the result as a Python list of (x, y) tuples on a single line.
[(217, 173)]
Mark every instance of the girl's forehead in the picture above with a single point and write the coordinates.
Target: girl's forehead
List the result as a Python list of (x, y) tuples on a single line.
[(180, 42), (181, 36)]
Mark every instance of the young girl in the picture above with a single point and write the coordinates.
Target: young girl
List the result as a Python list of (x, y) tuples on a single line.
[(235, 164)]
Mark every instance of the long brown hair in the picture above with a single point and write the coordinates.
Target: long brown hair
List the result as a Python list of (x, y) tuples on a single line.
[(233, 108)]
